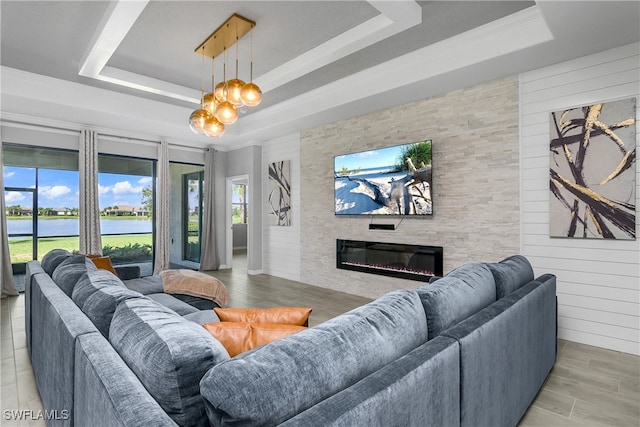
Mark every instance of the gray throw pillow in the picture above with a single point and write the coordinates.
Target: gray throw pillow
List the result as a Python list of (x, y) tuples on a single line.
[(461, 293), (67, 274), (510, 274), (168, 354), (52, 259)]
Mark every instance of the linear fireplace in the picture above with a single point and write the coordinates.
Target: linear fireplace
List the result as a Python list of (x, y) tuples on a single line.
[(413, 262)]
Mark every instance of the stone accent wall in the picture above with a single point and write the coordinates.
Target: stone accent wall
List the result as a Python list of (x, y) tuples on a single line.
[(475, 184)]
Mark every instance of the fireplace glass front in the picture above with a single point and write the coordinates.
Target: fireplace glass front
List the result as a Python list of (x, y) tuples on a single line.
[(400, 260)]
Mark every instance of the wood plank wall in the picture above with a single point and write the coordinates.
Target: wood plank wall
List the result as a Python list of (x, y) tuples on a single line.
[(281, 245), (598, 280)]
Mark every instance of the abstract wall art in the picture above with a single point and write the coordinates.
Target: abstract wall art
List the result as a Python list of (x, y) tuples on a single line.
[(593, 171), (279, 195)]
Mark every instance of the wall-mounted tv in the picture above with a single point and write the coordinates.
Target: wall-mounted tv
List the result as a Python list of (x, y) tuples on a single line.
[(385, 181)]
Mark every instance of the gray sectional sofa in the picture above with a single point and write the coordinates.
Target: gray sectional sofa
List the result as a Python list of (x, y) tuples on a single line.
[(470, 349)]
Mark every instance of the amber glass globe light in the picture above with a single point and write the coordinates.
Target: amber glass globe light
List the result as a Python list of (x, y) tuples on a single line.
[(251, 94), (209, 103), (234, 91), (213, 128), (221, 92), (227, 113), (197, 120)]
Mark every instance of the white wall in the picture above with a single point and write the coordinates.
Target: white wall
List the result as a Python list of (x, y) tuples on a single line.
[(281, 256), (598, 280)]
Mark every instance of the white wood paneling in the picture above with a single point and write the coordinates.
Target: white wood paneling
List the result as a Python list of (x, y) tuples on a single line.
[(598, 280), (281, 245)]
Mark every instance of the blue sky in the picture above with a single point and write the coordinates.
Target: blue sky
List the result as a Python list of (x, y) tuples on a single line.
[(381, 157), (58, 188)]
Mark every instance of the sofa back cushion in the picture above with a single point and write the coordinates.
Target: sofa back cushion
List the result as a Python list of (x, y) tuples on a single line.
[(98, 293), (461, 293), (67, 274), (52, 259), (168, 354), (311, 365), (511, 274)]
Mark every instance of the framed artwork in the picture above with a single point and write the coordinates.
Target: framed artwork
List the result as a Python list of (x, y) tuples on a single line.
[(279, 196), (593, 171)]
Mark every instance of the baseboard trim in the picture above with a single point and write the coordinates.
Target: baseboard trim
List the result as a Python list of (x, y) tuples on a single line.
[(254, 272)]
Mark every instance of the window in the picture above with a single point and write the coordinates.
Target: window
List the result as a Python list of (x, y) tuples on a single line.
[(126, 197), (239, 204), (41, 195)]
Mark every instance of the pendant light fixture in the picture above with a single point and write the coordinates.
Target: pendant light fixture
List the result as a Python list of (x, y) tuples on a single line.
[(251, 94), (198, 117), (234, 86), (226, 111), (213, 127), (220, 106)]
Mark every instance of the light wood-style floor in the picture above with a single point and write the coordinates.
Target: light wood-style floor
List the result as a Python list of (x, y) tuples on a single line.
[(588, 386)]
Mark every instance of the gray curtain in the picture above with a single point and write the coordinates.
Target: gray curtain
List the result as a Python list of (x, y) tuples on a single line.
[(162, 210), (6, 274), (209, 259), (89, 211)]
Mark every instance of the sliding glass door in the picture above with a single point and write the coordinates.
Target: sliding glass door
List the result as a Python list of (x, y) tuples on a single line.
[(187, 186)]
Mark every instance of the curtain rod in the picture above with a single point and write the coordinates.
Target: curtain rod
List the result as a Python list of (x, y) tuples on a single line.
[(76, 131)]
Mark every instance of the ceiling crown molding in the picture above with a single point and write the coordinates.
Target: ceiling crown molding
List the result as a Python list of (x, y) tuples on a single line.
[(120, 17)]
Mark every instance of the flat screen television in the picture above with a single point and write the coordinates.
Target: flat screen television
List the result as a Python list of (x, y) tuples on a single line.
[(385, 181)]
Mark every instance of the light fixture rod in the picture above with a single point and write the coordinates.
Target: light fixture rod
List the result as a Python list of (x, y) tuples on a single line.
[(225, 36)]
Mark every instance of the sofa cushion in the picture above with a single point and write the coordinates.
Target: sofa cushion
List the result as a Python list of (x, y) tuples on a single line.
[(280, 315), (311, 365), (202, 316), (52, 259), (168, 354), (238, 337), (174, 304), (98, 293), (67, 274), (510, 274), (145, 285), (461, 293)]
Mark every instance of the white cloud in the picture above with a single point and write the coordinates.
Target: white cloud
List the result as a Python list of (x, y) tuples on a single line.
[(54, 192), (8, 174), (365, 154), (104, 189), (13, 197), (145, 180), (125, 187)]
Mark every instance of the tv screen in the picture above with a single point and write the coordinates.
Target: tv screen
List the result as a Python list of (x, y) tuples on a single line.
[(385, 181)]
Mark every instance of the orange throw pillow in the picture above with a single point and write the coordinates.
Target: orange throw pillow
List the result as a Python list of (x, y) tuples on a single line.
[(280, 315), (103, 262), (238, 337)]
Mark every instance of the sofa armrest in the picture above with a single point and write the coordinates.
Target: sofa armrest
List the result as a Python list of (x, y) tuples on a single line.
[(126, 272)]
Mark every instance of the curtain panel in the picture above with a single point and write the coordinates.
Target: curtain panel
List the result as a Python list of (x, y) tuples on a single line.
[(162, 213), (209, 259), (6, 272), (89, 210)]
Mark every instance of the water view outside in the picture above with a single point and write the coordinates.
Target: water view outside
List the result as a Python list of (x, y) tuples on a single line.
[(122, 246)]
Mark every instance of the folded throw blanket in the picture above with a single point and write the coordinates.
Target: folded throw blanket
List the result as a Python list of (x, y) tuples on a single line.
[(194, 283)]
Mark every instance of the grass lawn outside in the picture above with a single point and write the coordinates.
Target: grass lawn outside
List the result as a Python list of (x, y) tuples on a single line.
[(21, 249)]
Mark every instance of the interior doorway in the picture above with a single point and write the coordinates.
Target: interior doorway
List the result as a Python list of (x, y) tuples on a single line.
[(238, 239)]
